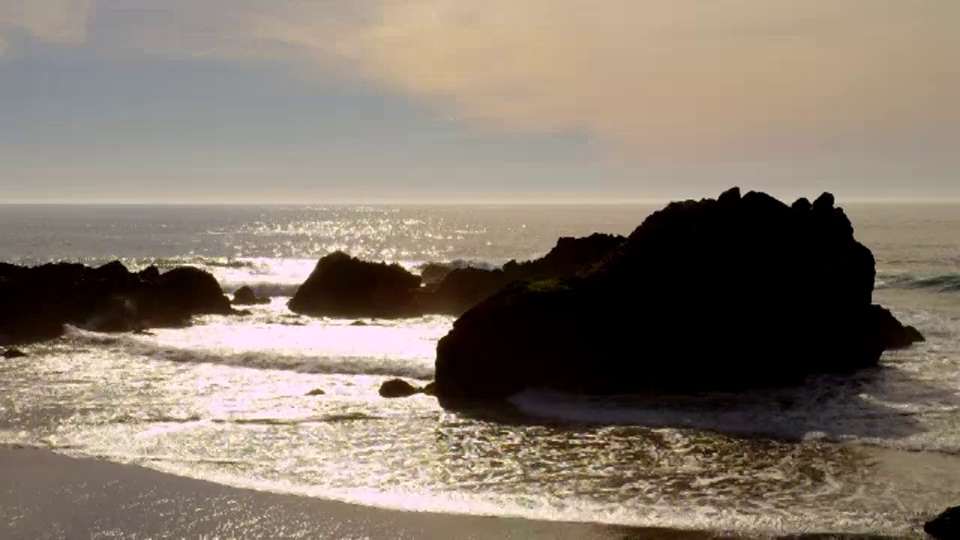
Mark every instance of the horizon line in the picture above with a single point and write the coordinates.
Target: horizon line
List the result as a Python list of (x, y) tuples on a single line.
[(462, 202)]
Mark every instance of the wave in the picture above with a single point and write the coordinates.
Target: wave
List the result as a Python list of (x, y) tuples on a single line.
[(261, 288), (812, 413), (143, 346), (948, 283)]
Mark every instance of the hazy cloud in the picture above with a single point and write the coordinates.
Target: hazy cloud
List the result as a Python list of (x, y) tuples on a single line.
[(669, 78), (684, 75), (57, 21)]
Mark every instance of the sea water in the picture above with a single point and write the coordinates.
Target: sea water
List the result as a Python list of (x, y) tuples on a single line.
[(225, 400)]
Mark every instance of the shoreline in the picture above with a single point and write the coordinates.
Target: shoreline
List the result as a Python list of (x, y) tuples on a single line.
[(49, 495)]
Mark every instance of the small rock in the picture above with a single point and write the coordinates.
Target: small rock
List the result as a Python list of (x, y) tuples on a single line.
[(946, 525), (358, 323), (245, 296), (395, 388), (430, 389), (315, 392), (14, 353)]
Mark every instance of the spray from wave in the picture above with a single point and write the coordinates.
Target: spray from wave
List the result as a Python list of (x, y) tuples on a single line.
[(303, 362)]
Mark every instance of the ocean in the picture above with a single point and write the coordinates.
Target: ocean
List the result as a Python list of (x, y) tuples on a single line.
[(225, 400)]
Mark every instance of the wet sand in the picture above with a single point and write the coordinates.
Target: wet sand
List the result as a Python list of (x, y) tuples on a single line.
[(44, 495)]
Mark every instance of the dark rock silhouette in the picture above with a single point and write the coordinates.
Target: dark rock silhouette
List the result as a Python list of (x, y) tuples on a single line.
[(316, 392), (946, 526), (431, 274), (397, 388), (14, 353), (344, 286), (245, 296), (36, 302), (720, 294), (463, 288), (430, 389)]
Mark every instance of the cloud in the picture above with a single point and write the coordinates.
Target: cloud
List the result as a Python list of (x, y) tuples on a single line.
[(56, 21), (684, 78)]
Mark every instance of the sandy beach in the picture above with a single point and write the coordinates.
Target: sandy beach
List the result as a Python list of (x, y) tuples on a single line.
[(46, 495), (50, 496)]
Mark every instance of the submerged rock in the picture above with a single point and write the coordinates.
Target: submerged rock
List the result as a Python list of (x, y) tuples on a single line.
[(14, 353), (36, 302), (246, 296), (397, 388), (946, 526), (344, 286), (719, 294)]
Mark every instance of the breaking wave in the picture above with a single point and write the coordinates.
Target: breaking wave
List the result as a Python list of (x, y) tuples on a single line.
[(145, 347), (942, 283)]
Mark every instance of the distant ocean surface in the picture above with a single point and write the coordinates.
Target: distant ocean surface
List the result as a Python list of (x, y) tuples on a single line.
[(225, 399)]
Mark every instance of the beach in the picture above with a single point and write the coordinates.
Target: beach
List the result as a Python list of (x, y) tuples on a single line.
[(46, 495)]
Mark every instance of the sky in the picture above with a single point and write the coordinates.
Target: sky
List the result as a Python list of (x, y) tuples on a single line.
[(277, 101)]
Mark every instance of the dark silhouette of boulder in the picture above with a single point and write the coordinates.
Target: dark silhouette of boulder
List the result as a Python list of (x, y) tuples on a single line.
[(344, 286), (315, 392), (719, 294), (946, 526), (36, 302), (569, 257), (245, 296), (463, 288), (149, 274), (397, 388), (432, 274), (14, 353), (430, 389)]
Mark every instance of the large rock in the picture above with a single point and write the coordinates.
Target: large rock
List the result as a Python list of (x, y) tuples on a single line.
[(462, 288), (569, 257), (946, 526), (725, 294), (35, 303), (344, 286)]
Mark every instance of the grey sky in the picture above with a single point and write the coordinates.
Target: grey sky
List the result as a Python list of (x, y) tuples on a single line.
[(285, 100)]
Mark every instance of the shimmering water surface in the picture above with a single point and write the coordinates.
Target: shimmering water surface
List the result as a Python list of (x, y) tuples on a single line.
[(225, 400)]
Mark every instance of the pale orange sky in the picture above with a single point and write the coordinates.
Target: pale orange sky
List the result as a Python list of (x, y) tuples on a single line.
[(629, 95)]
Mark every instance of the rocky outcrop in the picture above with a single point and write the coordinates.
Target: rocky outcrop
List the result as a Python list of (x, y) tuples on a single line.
[(463, 288), (36, 302), (569, 257), (344, 286), (246, 296), (946, 526), (719, 294)]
